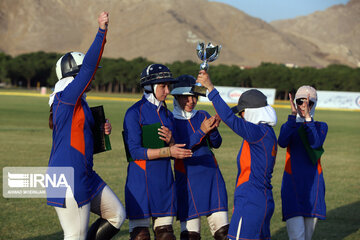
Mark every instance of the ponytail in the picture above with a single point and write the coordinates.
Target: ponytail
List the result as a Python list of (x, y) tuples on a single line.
[(51, 125)]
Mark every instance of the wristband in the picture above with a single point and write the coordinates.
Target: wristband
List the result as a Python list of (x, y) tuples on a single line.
[(164, 152)]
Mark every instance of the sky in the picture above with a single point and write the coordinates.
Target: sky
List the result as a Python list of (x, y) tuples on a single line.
[(270, 10)]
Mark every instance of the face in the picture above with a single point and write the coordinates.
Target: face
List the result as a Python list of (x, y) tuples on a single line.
[(162, 90), (300, 103), (187, 103)]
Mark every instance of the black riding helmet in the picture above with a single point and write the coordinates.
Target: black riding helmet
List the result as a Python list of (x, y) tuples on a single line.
[(154, 74)]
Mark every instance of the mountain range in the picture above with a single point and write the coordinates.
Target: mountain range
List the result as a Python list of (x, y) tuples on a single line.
[(168, 30)]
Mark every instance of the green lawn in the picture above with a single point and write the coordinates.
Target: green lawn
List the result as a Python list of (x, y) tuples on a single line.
[(25, 140)]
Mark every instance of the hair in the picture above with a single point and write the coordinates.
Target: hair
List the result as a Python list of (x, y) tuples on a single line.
[(51, 124)]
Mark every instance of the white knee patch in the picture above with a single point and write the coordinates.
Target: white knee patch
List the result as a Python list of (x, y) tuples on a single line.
[(192, 225), (108, 206), (217, 220), (163, 221)]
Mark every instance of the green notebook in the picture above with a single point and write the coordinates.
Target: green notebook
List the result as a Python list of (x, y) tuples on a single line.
[(150, 136), (314, 154), (150, 139)]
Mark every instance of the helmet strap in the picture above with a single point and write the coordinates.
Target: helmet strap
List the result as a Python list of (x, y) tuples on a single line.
[(153, 89)]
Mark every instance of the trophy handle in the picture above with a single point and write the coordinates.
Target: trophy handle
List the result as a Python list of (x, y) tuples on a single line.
[(204, 66)]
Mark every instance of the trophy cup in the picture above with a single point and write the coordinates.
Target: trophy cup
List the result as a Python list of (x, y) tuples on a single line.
[(208, 53)]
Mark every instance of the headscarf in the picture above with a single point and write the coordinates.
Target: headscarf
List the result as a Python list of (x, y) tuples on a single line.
[(265, 115), (60, 86), (180, 113), (303, 92), (151, 97)]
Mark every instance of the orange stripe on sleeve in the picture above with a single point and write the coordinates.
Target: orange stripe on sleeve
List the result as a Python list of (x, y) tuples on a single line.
[(288, 161), (245, 164)]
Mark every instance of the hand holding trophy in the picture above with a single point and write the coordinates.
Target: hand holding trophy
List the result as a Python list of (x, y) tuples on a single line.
[(206, 53)]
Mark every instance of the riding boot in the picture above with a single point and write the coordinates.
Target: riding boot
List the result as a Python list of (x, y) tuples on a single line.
[(186, 235), (101, 229), (164, 233), (140, 233), (221, 233)]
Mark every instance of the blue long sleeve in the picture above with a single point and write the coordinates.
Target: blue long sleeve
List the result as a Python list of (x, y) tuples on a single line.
[(133, 135), (249, 131), (215, 138), (195, 139), (88, 68), (316, 134), (286, 131)]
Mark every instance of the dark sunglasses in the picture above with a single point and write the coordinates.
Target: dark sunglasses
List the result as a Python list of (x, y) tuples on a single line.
[(300, 101)]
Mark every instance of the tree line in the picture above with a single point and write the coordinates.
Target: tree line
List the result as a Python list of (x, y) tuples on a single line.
[(119, 75)]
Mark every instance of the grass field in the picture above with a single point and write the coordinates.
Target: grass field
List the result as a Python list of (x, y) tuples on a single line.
[(25, 140)]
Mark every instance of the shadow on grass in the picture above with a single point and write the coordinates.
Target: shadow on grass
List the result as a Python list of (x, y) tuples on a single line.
[(340, 223), (123, 233)]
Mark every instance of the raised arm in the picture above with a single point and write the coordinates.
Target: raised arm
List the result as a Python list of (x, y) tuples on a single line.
[(90, 63), (238, 125), (286, 131)]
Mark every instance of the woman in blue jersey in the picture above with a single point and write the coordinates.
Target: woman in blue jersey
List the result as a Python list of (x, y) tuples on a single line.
[(303, 187), (71, 121), (253, 200), (201, 189), (150, 190)]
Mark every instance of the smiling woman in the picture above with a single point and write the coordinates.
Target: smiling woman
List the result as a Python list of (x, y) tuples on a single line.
[(200, 185)]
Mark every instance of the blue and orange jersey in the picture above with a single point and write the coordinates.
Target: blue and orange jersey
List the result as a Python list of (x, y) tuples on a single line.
[(303, 186), (256, 158), (72, 132), (149, 189), (200, 185), (253, 200)]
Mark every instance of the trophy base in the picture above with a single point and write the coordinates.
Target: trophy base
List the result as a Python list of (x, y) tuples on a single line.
[(199, 90)]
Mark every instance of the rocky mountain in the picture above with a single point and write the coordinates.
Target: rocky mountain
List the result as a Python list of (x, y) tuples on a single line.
[(169, 30), (335, 32)]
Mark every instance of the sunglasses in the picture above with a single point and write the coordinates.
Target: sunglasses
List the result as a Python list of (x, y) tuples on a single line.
[(300, 101)]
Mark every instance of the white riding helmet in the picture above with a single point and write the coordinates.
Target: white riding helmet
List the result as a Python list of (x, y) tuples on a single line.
[(69, 64)]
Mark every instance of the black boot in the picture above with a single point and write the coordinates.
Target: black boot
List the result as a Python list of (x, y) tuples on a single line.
[(164, 233), (221, 233), (140, 233), (186, 235), (101, 229)]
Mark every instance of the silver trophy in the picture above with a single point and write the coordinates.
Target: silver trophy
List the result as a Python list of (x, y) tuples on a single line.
[(206, 53)]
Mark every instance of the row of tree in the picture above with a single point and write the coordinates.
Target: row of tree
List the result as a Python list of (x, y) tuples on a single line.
[(120, 75)]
